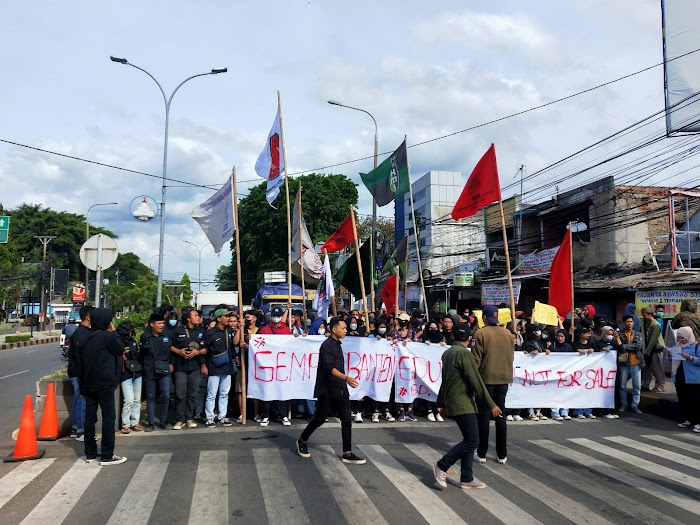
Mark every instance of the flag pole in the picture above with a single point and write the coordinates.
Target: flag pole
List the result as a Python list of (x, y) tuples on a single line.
[(415, 238), (234, 193), (289, 220), (398, 282), (510, 278), (359, 266), (301, 262), (571, 258)]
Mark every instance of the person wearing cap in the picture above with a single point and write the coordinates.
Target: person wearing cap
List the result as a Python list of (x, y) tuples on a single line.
[(219, 368), (157, 363), (493, 354), (405, 333), (331, 390), (461, 389), (276, 326), (653, 345)]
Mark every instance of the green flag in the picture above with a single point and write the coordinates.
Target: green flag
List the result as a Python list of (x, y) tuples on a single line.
[(397, 258), (348, 274), (390, 179)]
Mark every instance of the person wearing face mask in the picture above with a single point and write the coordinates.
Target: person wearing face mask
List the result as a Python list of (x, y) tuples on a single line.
[(547, 338), (688, 379), (561, 344), (188, 358), (355, 330), (404, 334), (607, 344), (432, 335), (381, 331), (532, 345), (584, 344), (276, 326)]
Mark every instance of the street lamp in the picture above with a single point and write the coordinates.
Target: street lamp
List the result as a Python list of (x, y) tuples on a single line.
[(151, 260), (87, 236), (167, 101), (374, 201), (200, 261)]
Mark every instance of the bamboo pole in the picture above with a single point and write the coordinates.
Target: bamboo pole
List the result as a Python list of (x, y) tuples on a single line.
[(398, 283), (510, 278), (242, 371), (301, 262), (359, 266), (289, 213)]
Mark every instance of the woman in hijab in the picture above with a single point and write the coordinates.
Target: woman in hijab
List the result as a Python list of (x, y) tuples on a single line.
[(688, 379), (433, 335)]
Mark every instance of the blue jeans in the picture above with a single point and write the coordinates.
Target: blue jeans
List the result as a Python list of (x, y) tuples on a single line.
[(582, 411), (131, 409), (563, 412), (628, 372), (463, 450), (306, 407), (222, 384), (164, 387), (77, 413)]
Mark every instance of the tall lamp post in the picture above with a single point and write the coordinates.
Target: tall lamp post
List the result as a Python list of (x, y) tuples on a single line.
[(199, 287), (374, 201), (87, 236), (167, 100)]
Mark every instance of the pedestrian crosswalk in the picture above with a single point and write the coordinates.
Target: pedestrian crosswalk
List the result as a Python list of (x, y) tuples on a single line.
[(608, 480)]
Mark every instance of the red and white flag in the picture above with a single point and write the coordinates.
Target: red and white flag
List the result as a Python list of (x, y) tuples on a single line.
[(482, 188), (270, 163)]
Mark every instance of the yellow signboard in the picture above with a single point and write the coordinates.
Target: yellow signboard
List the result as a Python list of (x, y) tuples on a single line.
[(504, 316), (545, 314)]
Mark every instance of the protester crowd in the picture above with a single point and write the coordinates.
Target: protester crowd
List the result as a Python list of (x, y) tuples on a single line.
[(186, 365)]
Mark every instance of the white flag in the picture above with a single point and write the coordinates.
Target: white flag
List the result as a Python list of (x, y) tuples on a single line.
[(310, 260), (215, 216), (270, 163), (326, 292)]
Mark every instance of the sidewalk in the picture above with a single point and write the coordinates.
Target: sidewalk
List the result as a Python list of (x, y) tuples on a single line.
[(39, 338)]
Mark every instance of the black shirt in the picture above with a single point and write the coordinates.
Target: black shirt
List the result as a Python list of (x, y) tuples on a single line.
[(330, 356), (156, 353), (132, 353), (218, 341), (73, 350), (184, 337)]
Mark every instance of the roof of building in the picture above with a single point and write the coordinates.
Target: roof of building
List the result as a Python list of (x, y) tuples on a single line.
[(645, 280)]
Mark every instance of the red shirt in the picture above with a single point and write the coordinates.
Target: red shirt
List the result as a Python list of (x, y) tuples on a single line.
[(271, 329)]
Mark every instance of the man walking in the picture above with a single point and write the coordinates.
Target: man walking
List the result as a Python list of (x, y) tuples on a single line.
[(461, 385), (332, 390), (630, 356), (493, 354), (100, 360), (653, 345)]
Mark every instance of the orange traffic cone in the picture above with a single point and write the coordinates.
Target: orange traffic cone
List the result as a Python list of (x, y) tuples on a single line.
[(26, 446), (48, 430)]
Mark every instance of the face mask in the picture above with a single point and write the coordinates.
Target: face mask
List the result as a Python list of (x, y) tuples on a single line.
[(382, 331), (276, 320), (608, 338), (308, 322), (353, 326), (172, 322), (402, 324), (537, 333), (545, 336), (371, 319), (321, 331)]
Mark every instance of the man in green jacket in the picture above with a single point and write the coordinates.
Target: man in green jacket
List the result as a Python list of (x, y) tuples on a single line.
[(461, 384), (653, 346)]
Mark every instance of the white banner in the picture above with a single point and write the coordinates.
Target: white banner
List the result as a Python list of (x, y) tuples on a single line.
[(215, 216), (282, 367), (418, 372), (563, 380)]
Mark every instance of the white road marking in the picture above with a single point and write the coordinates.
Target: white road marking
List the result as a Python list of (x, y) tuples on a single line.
[(211, 486), (282, 502), (15, 374), (21, 476), (661, 453)]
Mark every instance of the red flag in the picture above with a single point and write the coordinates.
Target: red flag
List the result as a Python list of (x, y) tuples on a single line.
[(560, 278), (341, 238), (389, 293), (482, 188)]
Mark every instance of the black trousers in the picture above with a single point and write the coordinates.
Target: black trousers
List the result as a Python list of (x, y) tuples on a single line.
[(186, 387), (688, 398), (498, 394), (282, 407), (105, 400), (323, 407)]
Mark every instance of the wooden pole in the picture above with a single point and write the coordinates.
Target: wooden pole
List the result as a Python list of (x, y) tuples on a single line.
[(301, 261), (359, 266), (398, 283), (289, 213), (242, 371), (510, 278), (571, 251), (415, 238)]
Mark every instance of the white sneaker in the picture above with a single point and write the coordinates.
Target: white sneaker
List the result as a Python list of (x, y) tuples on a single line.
[(178, 425), (509, 418), (264, 421), (609, 416), (567, 417), (542, 417), (533, 417), (389, 417), (685, 424), (478, 459), (286, 422), (431, 417), (440, 476), (439, 418), (375, 417), (115, 460), (591, 416), (502, 461), (239, 420), (476, 484), (190, 423), (580, 416), (257, 418), (358, 417), (558, 418), (517, 418)]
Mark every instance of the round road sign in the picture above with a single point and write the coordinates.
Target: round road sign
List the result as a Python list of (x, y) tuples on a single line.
[(99, 249)]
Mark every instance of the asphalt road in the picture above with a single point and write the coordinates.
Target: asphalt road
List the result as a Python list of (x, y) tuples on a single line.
[(20, 369), (639, 469)]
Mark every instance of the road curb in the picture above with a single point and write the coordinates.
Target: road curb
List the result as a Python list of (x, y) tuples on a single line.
[(21, 344)]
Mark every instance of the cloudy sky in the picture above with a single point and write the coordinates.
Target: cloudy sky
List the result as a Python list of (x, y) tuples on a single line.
[(424, 69)]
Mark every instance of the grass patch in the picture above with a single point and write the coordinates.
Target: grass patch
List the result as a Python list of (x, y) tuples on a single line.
[(60, 373), (17, 338)]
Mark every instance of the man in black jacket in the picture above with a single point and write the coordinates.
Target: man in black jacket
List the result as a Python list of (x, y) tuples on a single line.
[(77, 413), (99, 358), (157, 362), (188, 356)]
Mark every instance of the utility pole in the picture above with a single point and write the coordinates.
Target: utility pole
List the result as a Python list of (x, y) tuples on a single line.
[(45, 240)]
